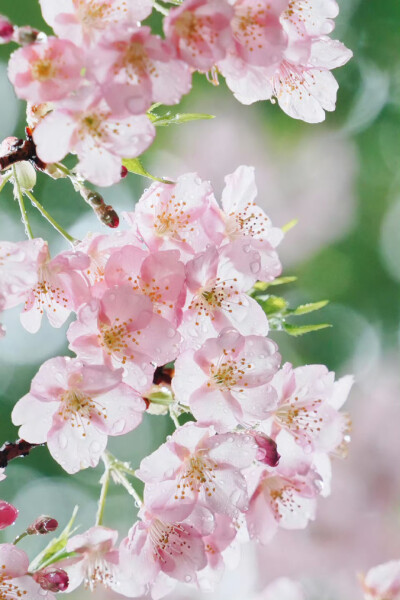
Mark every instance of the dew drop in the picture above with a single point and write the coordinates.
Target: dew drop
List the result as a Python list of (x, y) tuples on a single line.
[(62, 441), (118, 426)]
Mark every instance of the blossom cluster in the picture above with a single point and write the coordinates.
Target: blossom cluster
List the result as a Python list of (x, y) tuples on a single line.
[(171, 295), (91, 84)]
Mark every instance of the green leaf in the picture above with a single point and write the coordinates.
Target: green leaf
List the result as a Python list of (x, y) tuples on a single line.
[(177, 119), (262, 286), (296, 330), (135, 166), (273, 305), (304, 309), (55, 547)]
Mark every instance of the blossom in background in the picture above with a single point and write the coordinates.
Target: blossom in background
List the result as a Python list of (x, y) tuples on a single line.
[(74, 408), (382, 582)]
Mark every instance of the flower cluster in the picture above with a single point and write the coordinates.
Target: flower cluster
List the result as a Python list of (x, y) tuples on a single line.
[(175, 287), (91, 84)]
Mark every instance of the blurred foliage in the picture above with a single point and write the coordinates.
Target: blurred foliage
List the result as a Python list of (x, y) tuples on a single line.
[(364, 295)]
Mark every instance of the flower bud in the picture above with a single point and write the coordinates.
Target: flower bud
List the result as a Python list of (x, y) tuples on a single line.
[(6, 30), (8, 514), (108, 216), (26, 175), (267, 452), (124, 172), (52, 579), (42, 525), (25, 35)]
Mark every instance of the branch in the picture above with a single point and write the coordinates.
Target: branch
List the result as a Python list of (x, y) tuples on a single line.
[(11, 450)]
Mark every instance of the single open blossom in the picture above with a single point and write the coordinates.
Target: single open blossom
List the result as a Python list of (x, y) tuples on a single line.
[(136, 68), (74, 408), (14, 579), (18, 269), (85, 21), (45, 71), (282, 498), (196, 472), (217, 281), (183, 216), (121, 330), (8, 514), (154, 546), (310, 17), (309, 400), (225, 382), (59, 289), (382, 582), (96, 560), (201, 31), (158, 275), (85, 125), (244, 219)]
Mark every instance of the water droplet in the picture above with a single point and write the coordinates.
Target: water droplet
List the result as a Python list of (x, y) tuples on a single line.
[(170, 332), (118, 426), (188, 578), (255, 267), (246, 248)]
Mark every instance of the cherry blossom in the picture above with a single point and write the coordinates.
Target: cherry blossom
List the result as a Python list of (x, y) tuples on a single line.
[(14, 580), (282, 589), (311, 17), (74, 407), (217, 281), (382, 582), (225, 382), (158, 275), (244, 219), (8, 514), (121, 330), (154, 546), (96, 561), (18, 269), (201, 31), (198, 472), (84, 21), (136, 69), (45, 71), (59, 289), (183, 216), (85, 125), (216, 545), (308, 403)]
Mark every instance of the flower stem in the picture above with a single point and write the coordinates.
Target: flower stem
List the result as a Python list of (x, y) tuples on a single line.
[(5, 179), (50, 219), (24, 215), (117, 469), (20, 537), (121, 478), (105, 482), (161, 9)]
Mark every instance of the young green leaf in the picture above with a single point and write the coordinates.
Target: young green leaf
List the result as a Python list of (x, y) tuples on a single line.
[(296, 330), (272, 305), (55, 547), (135, 166), (303, 309), (177, 119)]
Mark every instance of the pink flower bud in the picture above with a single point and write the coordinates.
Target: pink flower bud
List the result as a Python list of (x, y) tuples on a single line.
[(8, 514), (52, 579), (6, 30), (42, 525), (267, 452), (124, 172)]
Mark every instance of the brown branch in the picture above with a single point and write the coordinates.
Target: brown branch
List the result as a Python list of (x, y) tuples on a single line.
[(22, 150), (11, 450)]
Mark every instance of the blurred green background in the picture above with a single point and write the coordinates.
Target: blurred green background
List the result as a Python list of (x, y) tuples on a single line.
[(340, 179)]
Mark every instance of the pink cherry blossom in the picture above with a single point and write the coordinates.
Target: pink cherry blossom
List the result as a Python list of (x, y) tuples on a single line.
[(6, 30), (308, 403), (85, 21), (121, 330), (74, 407), (60, 288), (8, 514), (45, 71), (267, 452), (216, 544), (195, 471), (183, 216), (225, 382), (158, 275), (312, 17), (282, 498), (201, 31), (217, 281), (14, 580), (154, 546), (382, 582), (136, 69), (18, 269), (245, 219), (96, 560), (282, 589), (85, 125)]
